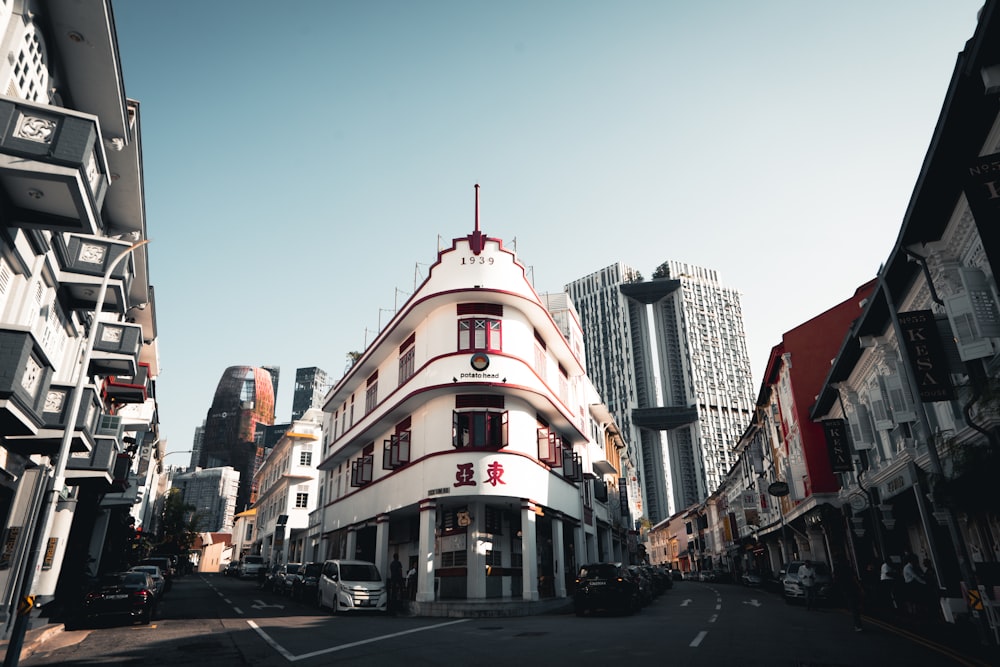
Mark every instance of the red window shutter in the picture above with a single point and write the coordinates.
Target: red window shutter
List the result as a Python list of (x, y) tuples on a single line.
[(481, 309), (479, 401)]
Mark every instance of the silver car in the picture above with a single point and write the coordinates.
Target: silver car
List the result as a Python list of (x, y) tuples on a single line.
[(793, 589), (156, 574)]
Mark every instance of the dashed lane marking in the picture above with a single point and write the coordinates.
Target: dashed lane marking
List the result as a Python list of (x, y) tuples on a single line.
[(697, 640)]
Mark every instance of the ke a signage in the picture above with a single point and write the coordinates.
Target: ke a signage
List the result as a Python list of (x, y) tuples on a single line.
[(927, 357), (837, 446)]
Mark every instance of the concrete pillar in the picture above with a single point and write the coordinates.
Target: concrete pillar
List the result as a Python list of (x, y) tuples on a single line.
[(96, 547), (382, 544), (580, 548), (351, 548), (558, 557), (475, 573), (425, 551), (51, 562), (529, 552)]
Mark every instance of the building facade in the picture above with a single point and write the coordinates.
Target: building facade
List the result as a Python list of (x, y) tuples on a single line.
[(891, 449), (78, 339), (670, 356), (466, 440), (243, 404), (311, 385), (287, 491), (212, 492), (913, 390)]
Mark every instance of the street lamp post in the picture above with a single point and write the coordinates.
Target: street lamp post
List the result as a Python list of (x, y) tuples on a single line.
[(55, 483)]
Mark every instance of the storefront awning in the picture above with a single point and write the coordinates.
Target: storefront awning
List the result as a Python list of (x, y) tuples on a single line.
[(602, 468)]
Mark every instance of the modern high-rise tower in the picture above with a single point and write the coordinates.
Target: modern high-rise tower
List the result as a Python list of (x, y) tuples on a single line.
[(669, 357), (311, 385), (243, 402)]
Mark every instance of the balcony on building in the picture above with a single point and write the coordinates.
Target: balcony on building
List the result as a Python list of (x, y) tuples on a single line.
[(23, 385), (129, 388), (47, 439), (116, 349), (53, 169), (83, 261), (95, 468)]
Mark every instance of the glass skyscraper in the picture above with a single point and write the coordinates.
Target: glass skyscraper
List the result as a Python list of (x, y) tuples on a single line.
[(669, 357)]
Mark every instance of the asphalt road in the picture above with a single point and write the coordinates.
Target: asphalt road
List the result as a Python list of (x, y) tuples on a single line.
[(221, 622)]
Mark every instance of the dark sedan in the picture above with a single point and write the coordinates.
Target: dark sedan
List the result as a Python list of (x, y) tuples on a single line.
[(127, 595), (306, 585), (284, 578), (606, 586)]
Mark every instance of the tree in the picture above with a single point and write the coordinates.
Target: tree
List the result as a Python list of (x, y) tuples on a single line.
[(179, 526), (352, 358)]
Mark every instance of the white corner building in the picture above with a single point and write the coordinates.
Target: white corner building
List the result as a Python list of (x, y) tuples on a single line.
[(468, 439)]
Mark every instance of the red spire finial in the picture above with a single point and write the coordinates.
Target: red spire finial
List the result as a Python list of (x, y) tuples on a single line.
[(476, 240), (477, 207)]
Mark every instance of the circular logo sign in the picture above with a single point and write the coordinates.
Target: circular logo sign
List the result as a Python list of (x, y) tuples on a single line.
[(858, 502), (778, 489), (480, 362)]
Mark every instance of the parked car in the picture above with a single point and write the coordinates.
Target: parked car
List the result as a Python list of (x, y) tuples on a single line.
[(645, 584), (231, 569), (663, 580), (605, 586), (792, 587), (751, 579), (162, 562), (352, 585), (156, 574), (306, 585), (121, 594), (250, 566), (284, 578)]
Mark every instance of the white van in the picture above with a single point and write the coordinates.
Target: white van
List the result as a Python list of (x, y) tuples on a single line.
[(352, 585)]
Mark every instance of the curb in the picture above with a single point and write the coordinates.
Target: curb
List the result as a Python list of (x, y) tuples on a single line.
[(34, 638)]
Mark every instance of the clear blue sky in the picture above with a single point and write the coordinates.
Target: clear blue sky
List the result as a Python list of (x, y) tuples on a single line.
[(302, 159)]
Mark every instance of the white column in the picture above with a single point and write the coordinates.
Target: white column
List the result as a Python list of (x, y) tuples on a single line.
[(475, 573), (558, 557), (351, 544), (382, 544), (59, 535), (580, 547), (425, 553), (529, 555)]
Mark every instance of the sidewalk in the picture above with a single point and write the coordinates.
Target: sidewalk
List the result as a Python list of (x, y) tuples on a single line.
[(40, 631), (962, 638)]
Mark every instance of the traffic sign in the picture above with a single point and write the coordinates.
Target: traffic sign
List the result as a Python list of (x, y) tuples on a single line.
[(975, 600), (25, 604)]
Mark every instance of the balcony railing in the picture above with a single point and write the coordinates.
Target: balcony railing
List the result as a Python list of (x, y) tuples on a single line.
[(95, 467), (83, 261), (47, 439), (116, 349), (24, 383), (52, 167), (128, 389)]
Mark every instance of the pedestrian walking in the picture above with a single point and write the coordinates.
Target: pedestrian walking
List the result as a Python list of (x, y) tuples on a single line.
[(807, 577), (887, 581), (395, 583), (411, 582), (914, 586), (850, 588)]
